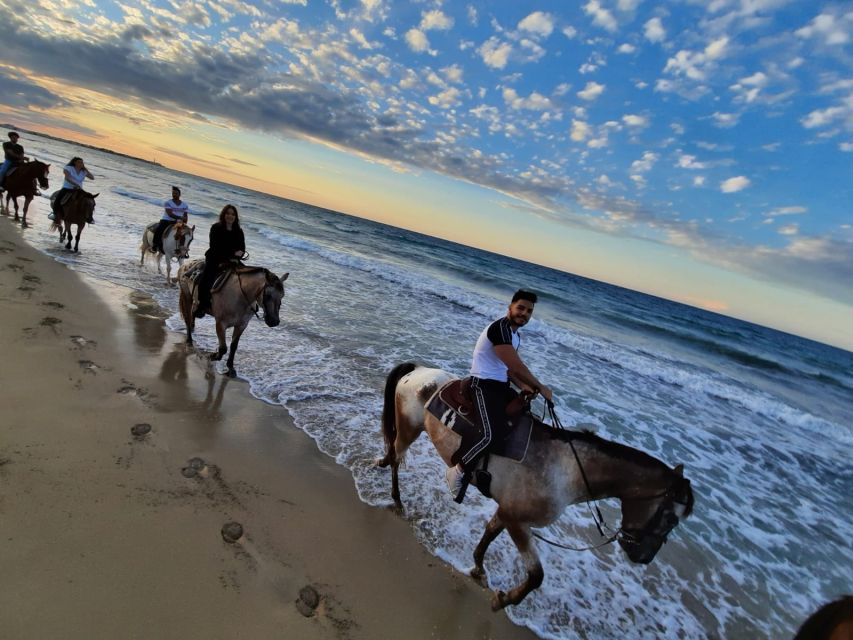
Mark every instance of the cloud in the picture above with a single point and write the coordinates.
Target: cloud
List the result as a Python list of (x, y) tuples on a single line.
[(18, 93), (633, 120), (448, 98), (695, 65), (591, 91), (539, 23), (495, 53), (535, 101), (789, 230), (654, 31), (725, 120), (570, 32), (733, 185), (827, 28), (786, 211), (686, 161), (600, 16), (626, 48), (417, 40), (580, 130), (435, 19)]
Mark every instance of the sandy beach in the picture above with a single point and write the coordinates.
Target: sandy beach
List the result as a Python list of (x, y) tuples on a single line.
[(104, 535)]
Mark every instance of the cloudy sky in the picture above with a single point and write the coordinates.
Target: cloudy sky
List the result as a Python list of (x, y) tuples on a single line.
[(700, 150)]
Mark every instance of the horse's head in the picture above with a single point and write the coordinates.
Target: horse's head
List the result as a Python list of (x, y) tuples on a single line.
[(273, 295), (41, 174), (646, 522)]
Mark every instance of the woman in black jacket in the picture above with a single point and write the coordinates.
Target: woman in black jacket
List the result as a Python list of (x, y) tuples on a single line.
[(226, 243)]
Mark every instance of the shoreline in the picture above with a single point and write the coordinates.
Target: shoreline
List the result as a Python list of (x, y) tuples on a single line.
[(105, 537)]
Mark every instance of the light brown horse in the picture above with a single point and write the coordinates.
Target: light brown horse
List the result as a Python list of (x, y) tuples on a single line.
[(560, 468), (245, 291), (22, 182), (77, 210)]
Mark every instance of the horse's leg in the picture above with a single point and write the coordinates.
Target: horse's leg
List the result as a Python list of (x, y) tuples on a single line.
[(77, 237), (494, 528), (159, 258), (186, 304), (27, 200), (235, 340), (220, 333), (15, 202), (67, 234), (520, 534)]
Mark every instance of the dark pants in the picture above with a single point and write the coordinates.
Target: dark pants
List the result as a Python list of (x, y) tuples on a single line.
[(57, 202), (157, 245), (205, 282), (490, 400)]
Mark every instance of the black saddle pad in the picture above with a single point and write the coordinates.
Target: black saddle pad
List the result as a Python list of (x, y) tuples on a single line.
[(513, 446)]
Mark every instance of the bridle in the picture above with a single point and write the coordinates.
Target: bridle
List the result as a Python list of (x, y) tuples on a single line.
[(635, 535)]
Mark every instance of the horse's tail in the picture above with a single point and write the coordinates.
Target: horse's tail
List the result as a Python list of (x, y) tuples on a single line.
[(389, 414)]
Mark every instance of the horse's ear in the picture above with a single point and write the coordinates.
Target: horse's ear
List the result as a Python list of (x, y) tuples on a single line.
[(96, 195), (284, 277), (679, 470), (192, 228)]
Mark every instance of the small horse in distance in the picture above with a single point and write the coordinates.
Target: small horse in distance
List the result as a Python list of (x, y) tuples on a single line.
[(244, 291), (76, 210), (22, 182), (176, 245), (560, 468)]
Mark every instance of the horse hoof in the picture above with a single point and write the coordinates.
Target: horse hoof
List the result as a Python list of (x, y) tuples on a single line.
[(231, 373), (498, 601), (479, 576), (381, 462)]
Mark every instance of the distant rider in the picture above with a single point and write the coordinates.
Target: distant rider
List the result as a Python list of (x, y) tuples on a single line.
[(13, 155), (175, 211), (227, 243), (494, 364), (75, 173)]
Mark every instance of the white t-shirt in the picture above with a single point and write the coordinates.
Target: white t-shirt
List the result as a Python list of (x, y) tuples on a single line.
[(485, 363), (78, 176), (178, 209)]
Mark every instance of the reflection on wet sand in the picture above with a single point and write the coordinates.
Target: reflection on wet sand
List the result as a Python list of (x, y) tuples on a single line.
[(147, 318)]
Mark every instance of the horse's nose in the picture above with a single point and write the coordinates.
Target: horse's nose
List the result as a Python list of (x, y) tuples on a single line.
[(272, 322)]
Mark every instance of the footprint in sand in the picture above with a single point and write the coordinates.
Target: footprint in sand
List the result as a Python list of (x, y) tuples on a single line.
[(79, 341), (88, 367), (14, 267), (140, 430), (130, 389), (32, 279), (23, 259), (53, 305)]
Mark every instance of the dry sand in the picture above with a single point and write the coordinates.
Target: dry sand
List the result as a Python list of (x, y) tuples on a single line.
[(102, 535)]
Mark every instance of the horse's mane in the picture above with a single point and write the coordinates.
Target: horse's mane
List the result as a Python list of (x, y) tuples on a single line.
[(629, 454), (615, 449)]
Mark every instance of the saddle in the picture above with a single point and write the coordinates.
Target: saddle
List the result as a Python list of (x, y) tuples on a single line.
[(453, 406)]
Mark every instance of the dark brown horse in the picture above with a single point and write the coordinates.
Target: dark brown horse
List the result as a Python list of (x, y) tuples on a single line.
[(22, 182), (77, 210), (234, 304), (560, 468)]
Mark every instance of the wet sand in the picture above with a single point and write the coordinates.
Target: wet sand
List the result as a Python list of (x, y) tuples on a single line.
[(104, 534)]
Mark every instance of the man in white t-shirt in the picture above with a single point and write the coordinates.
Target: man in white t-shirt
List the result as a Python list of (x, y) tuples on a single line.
[(494, 365), (174, 210)]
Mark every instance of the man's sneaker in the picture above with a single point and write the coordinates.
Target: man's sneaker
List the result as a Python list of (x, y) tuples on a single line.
[(51, 216), (454, 479)]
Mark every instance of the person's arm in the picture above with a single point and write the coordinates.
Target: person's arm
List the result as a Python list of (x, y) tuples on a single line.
[(171, 213), (518, 371), (71, 178), (241, 244)]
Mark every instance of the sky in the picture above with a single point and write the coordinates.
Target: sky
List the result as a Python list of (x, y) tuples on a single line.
[(698, 150)]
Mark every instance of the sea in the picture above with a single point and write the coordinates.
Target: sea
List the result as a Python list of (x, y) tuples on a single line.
[(760, 419)]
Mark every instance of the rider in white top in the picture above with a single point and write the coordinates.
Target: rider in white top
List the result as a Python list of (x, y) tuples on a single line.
[(494, 364), (75, 173), (174, 210)]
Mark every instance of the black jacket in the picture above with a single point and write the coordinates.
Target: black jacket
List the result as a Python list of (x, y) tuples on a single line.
[(224, 243)]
